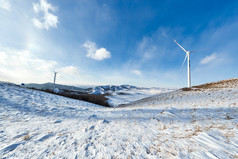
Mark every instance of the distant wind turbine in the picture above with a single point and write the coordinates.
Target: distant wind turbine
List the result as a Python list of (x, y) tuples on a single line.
[(55, 73), (188, 60)]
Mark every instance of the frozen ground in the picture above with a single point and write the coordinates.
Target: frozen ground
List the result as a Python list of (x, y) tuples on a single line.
[(201, 123)]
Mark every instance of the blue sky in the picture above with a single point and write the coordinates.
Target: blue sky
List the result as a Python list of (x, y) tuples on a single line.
[(92, 42)]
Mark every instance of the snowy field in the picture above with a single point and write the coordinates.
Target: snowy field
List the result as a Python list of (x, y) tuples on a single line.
[(119, 97), (201, 123)]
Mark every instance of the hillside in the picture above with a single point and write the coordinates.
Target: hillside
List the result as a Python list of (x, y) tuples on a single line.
[(230, 83), (59, 86), (210, 94), (197, 123), (106, 95)]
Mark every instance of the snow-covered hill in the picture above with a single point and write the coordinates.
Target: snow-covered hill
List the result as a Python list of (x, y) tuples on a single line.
[(116, 95), (210, 95), (45, 86), (111, 88), (125, 94), (197, 123)]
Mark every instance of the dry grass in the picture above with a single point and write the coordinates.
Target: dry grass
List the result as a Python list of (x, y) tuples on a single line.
[(187, 89), (222, 127), (190, 149), (27, 137), (197, 130), (229, 134), (228, 117), (230, 83), (162, 127), (179, 136), (96, 99)]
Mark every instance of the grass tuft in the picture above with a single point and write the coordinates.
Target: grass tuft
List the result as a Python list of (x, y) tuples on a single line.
[(27, 137)]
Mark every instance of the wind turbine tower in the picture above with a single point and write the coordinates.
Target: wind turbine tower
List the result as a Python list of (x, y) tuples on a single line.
[(188, 60), (55, 73)]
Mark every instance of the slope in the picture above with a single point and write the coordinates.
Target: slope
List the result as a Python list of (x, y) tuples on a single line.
[(179, 124)]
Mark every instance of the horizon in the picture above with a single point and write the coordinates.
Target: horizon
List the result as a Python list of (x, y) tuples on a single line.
[(117, 42), (92, 86), (81, 86)]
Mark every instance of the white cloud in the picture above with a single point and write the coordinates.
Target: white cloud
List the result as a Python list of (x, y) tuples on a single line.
[(5, 4), (70, 70), (208, 59), (22, 66), (44, 19), (95, 53), (146, 49), (137, 72)]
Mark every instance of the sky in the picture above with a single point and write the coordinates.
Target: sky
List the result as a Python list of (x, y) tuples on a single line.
[(99, 42)]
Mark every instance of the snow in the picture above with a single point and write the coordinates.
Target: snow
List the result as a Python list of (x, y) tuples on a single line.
[(117, 95), (177, 124), (110, 88), (125, 94)]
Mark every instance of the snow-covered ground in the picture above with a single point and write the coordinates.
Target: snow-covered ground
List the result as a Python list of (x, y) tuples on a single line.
[(126, 96), (178, 124)]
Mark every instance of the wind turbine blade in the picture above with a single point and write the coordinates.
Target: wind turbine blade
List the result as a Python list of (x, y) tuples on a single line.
[(180, 45), (184, 60), (195, 51)]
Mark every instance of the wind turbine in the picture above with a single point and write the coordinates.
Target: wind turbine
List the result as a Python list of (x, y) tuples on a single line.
[(55, 73), (188, 60)]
